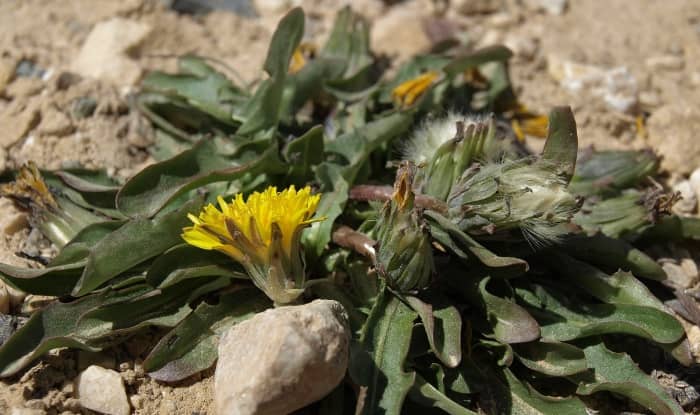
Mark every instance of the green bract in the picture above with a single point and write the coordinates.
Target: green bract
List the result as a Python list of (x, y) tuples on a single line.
[(492, 281)]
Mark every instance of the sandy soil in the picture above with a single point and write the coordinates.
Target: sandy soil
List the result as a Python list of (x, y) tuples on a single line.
[(58, 119)]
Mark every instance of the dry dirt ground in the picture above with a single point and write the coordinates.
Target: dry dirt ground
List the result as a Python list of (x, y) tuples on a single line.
[(637, 64)]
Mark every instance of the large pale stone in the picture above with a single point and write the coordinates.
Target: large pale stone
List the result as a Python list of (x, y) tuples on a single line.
[(102, 390), (104, 53), (400, 32), (282, 359), (673, 134)]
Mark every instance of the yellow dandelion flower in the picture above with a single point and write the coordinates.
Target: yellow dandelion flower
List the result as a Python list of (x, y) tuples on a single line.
[(409, 91), (262, 233)]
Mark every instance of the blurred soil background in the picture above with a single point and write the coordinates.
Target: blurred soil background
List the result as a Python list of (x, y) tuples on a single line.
[(629, 69)]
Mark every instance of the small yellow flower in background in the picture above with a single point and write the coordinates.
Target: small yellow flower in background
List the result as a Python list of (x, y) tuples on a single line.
[(263, 234), (526, 122), (409, 91), (304, 52)]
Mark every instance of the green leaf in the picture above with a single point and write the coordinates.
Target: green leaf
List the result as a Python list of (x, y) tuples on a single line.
[(377, 362), (303, 153), (152, 188), (61, 325), (192, 345), (57, 280), (551, 358), (136, 241), (184, 261), (561, 147), (355, 146), (617, 373), (674, 228), (608, 172), (562, 320), (503, 393), (614, 254), (461, 239), (427, 395), (510, 322), (479, 57), (263, 110), (619, 288), (526, 400), (163, 308), (335, 194), (443, 326)]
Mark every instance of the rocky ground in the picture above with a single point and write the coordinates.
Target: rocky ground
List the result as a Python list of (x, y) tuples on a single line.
[(629, 69)]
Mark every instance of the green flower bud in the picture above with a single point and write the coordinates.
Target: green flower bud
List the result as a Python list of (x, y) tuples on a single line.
[(446, 147), (520, 194), (404, 255)]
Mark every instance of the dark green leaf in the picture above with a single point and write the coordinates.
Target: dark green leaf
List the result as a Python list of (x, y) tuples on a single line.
[(133, 243), (614, 254), (303, 153), (377, 363), (443, 326), (465, 241), (427, 395), (510, 322), (192, 345), (616, 372), (551, 358), (153, 187), (563, 322)]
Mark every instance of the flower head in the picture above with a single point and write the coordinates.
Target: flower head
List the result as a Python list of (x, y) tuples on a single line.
[(262, 233), (406, 93)]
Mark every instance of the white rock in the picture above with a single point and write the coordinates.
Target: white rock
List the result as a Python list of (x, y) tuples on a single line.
[(617, 87), (693, 334), (102, 390), (556, 7), (282, 359), (104, 53), (677, 275), (12, 220), (665, 62), (689, 201), (690, 268)]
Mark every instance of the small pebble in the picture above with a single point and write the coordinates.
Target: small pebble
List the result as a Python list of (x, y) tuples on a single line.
[(83, 107), (665, 62), (678, 276), (688, 203), (102, 390)]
